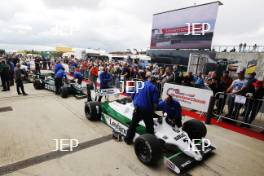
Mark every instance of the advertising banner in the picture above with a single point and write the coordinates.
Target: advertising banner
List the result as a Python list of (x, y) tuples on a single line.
[(186, 28), (189, 97)]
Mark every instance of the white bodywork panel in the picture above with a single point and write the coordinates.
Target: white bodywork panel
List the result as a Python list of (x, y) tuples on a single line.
[(174, 136)]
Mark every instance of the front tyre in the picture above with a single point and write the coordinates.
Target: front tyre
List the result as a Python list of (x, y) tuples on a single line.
[(93, 110), (38, 84), (148, 149), (195, 129)]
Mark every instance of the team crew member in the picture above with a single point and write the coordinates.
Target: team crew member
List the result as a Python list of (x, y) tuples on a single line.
[(173, 110), (59, 80), (145, 102), (105, 80), (78, 75), (58, 67)]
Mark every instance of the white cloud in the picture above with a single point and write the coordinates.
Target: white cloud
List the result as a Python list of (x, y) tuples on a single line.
[(114, 24)]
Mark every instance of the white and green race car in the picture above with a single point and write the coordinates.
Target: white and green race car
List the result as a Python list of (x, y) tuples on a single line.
[(180, 148)]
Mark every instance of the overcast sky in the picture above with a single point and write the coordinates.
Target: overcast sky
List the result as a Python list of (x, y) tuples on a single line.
[(114, 24)]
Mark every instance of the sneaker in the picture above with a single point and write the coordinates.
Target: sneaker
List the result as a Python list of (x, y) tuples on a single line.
[(19, 93), (25, 94)]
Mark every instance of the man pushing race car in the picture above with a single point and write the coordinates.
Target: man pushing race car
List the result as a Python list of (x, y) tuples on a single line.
[(180, 145)]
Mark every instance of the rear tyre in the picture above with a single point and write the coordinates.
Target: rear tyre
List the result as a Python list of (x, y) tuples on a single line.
[(195, 129), (148, 149), (38, 84), (64, 92), (93, 111)]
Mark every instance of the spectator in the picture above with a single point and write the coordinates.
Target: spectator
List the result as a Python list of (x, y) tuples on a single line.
[(19, 80), (177, 75), (254, 103), (11, 71), (188, 80), (237, 87), (5, 75), (244, 47), (94, 75), (225, 83), (250, 80), (226, 80), (199, 81), (167, 77), (240, 47), (37, 65), (255, 48)]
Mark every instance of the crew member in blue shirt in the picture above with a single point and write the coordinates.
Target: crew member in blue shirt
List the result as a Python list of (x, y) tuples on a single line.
[(105, 80), (58, 67), (79, 76), (145, 103), (173, 110), (59, 76)]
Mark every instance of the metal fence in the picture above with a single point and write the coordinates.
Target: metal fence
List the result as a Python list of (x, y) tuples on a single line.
[(240, 110), (237, 48)]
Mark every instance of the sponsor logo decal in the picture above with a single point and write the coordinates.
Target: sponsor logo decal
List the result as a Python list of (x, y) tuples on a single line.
[(187, 98), (186, 163), (117, 126), (180, 136)]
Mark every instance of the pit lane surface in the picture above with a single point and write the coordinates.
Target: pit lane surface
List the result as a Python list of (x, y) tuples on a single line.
[(28, 131)]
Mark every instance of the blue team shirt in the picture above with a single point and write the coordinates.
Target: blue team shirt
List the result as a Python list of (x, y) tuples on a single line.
[(105, 79), (78, 75), (60, 74), (146, 97), (58, 67), (173, 110), (73, 64)]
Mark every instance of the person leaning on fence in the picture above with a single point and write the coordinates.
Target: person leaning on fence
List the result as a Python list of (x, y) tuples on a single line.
[(225, 83), (238, 87), (254, 103)]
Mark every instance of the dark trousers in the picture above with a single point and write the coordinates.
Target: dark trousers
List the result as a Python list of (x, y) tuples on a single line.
[(20, 85), (252, 109), (79, 81), (89, 88), (5, 82), (233, 108), (58, 85), (139, 115), (37, 68), (220, 103)]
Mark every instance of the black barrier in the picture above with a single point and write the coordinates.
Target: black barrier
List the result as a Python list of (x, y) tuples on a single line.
[(245, 111)]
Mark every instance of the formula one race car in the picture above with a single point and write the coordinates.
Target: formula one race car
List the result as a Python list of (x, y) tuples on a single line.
[(47, 81), (181, 148)]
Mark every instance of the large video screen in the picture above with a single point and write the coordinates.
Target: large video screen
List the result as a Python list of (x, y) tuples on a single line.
[(186, 28)]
